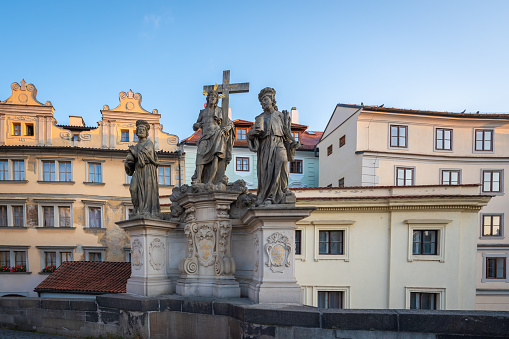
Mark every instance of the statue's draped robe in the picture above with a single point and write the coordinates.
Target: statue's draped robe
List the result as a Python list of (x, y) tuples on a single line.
[(214, 143), (144, 183), (271, 138)]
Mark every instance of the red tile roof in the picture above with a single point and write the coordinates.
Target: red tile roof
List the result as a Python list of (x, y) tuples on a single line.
[(87, 277), (308, 139)]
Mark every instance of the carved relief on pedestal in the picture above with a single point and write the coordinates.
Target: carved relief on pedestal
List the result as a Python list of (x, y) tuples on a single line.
[(205, 241), (137, 254), (157, 254), (222, 210), (189, 264), (225, 264), (190, 214), (257, 250), (278, 250)]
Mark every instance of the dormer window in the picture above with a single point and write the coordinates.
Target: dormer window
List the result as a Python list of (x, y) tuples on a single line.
[(296, 136), (241, 133)]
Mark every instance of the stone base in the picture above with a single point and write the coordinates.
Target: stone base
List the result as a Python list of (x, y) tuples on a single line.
[(208, 287), (270, 293), (148, 287)]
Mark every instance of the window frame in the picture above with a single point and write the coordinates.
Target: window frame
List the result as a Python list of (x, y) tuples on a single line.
[(396, 177), (341, 182), (296, 135), (94, 249), (242, 164), (55, 205), (341, 297), (16, 129), (12, 249), (302, 226), (164, 183), (333, 225), (243, 133), (26, 129), (443, 139), (494, 254), (57, 162), (94, 204), (329, 242), (58, 250), (342, 141), (446, 170), (324, 288), (329, 150), (8, 173), (440, 293), (501, 181), (427, 225), (9, 208), (492, 141), (501, 225), (124, 135), (398, 136), (296, 161), (422, 242)]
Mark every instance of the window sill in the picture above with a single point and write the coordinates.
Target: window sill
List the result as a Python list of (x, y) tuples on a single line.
[(15, 272), (56, 182), (491, 237), (93, 183), (56, 228), (332, 257), (431, 257), (127, 184), (13, 227), (95, 229), (13, 181)]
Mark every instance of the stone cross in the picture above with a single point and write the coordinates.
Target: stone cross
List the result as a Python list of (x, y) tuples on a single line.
[(226, 88)]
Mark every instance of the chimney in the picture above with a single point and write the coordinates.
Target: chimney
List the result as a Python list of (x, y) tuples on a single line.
[(75, 120), (294, 114), (229, 113)]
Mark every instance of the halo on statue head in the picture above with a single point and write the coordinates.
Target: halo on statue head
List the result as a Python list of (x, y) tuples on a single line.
[(214, 91)]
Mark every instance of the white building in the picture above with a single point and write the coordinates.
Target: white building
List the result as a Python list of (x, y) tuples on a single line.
[(377, 146)]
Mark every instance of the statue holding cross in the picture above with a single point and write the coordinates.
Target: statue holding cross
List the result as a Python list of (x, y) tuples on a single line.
[(218, 133)]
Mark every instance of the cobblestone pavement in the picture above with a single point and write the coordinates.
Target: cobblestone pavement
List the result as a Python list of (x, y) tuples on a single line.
[(8, 334)]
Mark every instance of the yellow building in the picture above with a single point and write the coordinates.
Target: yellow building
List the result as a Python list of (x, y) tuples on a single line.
[(62, 188)]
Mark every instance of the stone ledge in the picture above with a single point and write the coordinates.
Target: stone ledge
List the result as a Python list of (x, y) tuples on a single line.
[(128, 302)]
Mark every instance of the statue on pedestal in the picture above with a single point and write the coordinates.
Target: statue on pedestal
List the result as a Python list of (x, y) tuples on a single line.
[(141, 163), (273, 141), (215, 145)]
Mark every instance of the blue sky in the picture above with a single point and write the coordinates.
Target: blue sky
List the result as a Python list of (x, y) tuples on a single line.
[(447, 55)]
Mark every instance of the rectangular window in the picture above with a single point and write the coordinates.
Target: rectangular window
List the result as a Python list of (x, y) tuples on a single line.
[(423, 301), (29, 129), (65, 171), (329, 150), (48, 168), (125, 135), (330, 242), (135, 137), (20, 258), (16, 128), (450, 177), (50, 259), (492, 181), (94, 256), (65, 256), (4, 170), (443, 139), (64, 216), (5, 258), (342, 141), (94, 172), (49, 216), (164, 175), (330, 299), (18, 169), (296, 136), (399, 136), (495, 268), (484, 140), (425, 242), (242, 164), (296, 166), (94, 217), (18, 216), (404, 176), (241, 133), (3, 215), (491, 225), (341, 182), (298, 241)]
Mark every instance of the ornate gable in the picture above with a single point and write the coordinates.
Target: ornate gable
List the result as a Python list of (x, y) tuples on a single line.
[(23, 94), (129, 102)]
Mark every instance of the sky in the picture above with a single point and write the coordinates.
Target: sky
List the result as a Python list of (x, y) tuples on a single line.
[(443, 55)]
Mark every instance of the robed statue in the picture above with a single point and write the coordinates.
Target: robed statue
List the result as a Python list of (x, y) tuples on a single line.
[(275, 145), (214, 151), (141, 163)]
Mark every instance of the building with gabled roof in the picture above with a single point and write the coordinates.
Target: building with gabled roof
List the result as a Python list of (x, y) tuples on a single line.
[(303, 171), (384, 146), (63, 187)]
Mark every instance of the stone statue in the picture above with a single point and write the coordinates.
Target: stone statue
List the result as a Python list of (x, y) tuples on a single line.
[(142, 163), (272, 139), (215, 145)]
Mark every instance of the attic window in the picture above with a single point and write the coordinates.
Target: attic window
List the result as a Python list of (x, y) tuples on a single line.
[(296, 136), (29, 130), (241, 133)]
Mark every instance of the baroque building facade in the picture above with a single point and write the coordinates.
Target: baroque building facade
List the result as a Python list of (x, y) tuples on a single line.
[(374, 147), (63, 187)]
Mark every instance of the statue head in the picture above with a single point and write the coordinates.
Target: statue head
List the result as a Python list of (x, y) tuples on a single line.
[(212, 98), (271, 94), (142, 128)]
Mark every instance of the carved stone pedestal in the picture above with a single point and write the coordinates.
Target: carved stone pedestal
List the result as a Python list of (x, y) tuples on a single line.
[(149, 256), (208, 266), (273, 232)]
